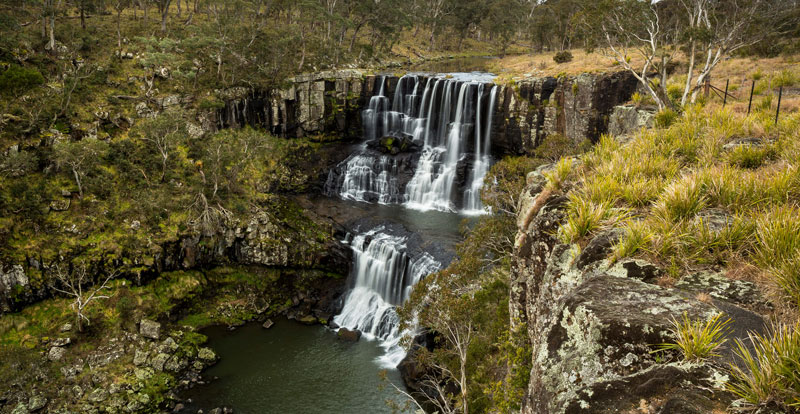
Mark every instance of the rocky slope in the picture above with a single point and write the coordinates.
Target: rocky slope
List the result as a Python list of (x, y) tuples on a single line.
[(593, 324)]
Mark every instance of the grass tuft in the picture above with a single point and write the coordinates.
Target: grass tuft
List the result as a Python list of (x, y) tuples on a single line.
[(698, 340)]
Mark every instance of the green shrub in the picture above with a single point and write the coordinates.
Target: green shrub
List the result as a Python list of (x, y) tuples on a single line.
[(778, 248), (698, 340), (680, 200), (675, 92), (557, 178), (585, 217), (17, 80), (563, 56), (786, 78), (665, 118)]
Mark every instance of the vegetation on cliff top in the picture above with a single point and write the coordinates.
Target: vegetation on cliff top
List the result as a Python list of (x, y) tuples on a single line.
[(714, 190)]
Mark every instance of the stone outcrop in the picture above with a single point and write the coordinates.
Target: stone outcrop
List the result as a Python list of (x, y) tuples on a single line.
[(628, 119), (319, 103), (262, 239), (577, 107), (592, 325)]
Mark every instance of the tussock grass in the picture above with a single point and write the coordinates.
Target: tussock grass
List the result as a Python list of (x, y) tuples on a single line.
[(560, 174), (698, 340), (771, 368)]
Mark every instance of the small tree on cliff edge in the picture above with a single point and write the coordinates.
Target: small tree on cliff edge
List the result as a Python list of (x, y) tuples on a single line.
[(75, 284)]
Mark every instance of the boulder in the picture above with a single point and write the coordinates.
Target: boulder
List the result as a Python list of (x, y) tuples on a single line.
[(168, 346), (308, 320), (37, 402), (349, 335), (158, 361), (60, 204), (206, 354), (61, 342), (98, 395), (56, 353), (268, 324), (743, 142), (599, 247), (21, 408), (149, 329), (628, 119), (140, 358)]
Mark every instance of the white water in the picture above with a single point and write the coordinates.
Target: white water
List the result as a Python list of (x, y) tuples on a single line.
[(369, 178), (383, 275), (442, 114)]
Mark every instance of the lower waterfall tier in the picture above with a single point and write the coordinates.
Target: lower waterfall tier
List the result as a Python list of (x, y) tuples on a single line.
[(384, 271)]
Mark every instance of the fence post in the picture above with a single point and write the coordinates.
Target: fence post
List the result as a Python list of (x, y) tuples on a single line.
[(778, 111), (725, 98), (749, 104)]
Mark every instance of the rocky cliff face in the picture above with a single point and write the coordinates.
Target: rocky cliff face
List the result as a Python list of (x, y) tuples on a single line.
[(325, 102), (262, 239), (527, 111), (592, 324), (576, 107)]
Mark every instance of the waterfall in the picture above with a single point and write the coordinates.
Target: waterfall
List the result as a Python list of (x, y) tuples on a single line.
[(368, 179), (375, 117), (444, 122), (382, 276), (482, 161)]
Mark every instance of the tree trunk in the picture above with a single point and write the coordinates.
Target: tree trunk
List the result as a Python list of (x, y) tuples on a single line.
[(78, 182), (353, 39), (52, 44), (78, 321), (689, 73), (83, 17), (44, 22), (119, 34), (179, 9), (164, 13)]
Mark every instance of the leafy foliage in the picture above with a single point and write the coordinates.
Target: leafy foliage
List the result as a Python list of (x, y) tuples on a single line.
[(16, 80)]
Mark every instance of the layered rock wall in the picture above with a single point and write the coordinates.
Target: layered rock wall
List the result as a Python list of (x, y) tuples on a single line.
[(577, 107)]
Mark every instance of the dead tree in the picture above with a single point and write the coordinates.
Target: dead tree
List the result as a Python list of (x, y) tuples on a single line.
[(75, 284)]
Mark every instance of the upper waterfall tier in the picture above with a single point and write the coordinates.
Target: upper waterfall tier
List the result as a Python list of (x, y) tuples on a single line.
[(440, 123)]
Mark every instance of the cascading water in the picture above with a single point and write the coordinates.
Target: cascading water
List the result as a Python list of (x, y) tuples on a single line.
[(440, 127), (383, 274)]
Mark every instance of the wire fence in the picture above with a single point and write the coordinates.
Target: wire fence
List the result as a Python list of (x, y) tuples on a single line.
[(723, 94)]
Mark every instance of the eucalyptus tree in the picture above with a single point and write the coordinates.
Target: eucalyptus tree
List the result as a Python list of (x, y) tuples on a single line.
[(714, 29)]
